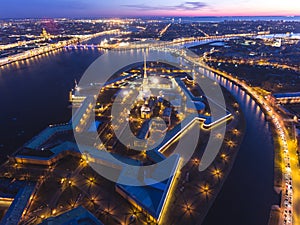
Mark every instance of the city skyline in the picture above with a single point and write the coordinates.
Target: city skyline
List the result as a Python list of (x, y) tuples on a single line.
[(118, 8), (145, 119)]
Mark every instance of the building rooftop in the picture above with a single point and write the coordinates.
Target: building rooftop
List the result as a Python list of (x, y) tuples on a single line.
[(46, 134), (199, 106), (167, 112), (142, 134), (94, 126), (183, 86), (152, 194), (19, 204), (77, 216)]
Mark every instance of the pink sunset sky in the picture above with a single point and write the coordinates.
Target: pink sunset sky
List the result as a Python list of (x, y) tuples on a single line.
[(97, 8)]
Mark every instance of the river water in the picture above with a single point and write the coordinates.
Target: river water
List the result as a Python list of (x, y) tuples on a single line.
[(34, 94), (247, 194)]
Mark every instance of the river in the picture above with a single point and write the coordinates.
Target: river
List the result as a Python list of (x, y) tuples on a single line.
[(247, 194), (34, 94)]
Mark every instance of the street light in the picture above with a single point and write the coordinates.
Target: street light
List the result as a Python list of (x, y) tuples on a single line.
[(230, 144), (236, 132), (224, 157), (217, 173)]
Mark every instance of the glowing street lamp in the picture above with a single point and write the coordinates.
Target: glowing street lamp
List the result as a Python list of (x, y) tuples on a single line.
[(196, 161), (205, 191), (217, 173), (230, 144), (187, 208), (219, 136), (224, 157), (236, 132)]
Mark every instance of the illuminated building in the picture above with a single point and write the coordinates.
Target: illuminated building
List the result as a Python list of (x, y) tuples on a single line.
[(78, 216), (143, 135), (145, 91), (152, 198), (45, 34)]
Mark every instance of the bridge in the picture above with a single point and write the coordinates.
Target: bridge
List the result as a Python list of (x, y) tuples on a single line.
[(287, 98), (83, 46)]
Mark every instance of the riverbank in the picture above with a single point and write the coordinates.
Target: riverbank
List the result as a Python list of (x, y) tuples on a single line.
[(278, 172), (196, 191), (35, 94), (52, 47)]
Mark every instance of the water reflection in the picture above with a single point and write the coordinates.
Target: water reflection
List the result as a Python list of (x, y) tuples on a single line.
[(251, 178)]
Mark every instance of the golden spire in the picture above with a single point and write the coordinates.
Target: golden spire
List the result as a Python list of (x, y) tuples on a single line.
[(145, 66)]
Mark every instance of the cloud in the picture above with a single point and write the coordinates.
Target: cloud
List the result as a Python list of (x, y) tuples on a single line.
[(194, 5), (190, 6)]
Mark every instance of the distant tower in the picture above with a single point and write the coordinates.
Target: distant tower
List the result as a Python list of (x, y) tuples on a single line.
[(76, 85), (145, 78), (145, 91), (45, 35)]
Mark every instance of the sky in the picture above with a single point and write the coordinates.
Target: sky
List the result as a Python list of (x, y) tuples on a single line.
[(121, 8)]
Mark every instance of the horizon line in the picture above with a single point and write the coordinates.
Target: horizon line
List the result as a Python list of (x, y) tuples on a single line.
[(145, 16)]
